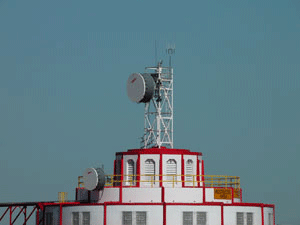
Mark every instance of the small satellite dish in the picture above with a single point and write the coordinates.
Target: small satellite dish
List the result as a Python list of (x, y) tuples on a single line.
[(140, 87), (94, 179)]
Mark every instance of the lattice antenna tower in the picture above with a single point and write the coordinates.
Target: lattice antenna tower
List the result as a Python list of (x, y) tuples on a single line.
[(154, 88)]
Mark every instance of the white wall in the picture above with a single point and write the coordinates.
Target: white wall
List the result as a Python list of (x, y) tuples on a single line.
[(194, 159), (96, 214), (268, 210), (125, 159), (178, 160), (210, 196), (143, 195), (185, 195), (230, 214), (154, 213), (175, 214), (108, 195), (156, 159)]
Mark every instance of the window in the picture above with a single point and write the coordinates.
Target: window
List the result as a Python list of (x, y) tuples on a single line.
[(240, 218), (86, 218), (130, 171), (141, 218), (249, 218), (49, 218), (75, 218), (127, 218), (189, 171), (201, 218), (187, 218), (150, 170), (172, 171)]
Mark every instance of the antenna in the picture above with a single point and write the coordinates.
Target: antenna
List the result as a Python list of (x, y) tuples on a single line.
[(154, 88)]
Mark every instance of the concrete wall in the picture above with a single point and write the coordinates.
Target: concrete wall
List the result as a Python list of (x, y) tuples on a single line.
[(108, 195), (175, 214), (185, 195), (142, 195), (230, 214), (266, 216), (96, 214), (154, 214)]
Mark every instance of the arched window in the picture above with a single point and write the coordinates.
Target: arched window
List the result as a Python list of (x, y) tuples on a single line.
[(130, 171), (150, 170), (172, 170), (189, 170)]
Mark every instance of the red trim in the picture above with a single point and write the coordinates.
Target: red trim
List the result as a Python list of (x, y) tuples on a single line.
[(232, 194), (115, 167), (222, 214), (164, 214), (198, 173), (262, 215), (162, 194), (159, 151), (104, 212), (60, 215), (160, 169), (121, 181), (182, 171), (138, 171), (203, 181)]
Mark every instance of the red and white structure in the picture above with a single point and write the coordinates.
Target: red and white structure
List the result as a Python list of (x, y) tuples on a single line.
[(153, 185)]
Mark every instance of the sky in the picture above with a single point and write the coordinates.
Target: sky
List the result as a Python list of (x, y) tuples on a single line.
[(63, 103)]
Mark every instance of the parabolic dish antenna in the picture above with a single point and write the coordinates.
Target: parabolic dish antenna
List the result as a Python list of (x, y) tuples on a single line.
[(94, 179), (140, 87)]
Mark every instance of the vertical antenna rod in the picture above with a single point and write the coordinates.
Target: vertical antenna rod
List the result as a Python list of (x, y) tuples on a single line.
[(158, 130)]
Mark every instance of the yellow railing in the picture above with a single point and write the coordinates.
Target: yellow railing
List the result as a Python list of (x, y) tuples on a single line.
[(189, 180), (62, 196)]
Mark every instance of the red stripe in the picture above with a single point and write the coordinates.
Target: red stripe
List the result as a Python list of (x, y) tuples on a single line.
[(262, 215), (203, 183), (138, 171), (60, 215), (182, 171), (104, 216), (160, 169), (222, 214)]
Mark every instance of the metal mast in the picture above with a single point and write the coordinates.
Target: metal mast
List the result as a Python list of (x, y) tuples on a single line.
[(158, 130)]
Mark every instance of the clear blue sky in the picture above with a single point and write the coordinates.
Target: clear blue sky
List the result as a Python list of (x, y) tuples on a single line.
[(63, 105)]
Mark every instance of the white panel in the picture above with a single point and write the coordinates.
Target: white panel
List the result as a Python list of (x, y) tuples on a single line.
[(143, 195), (108, 195), (230, 214), (190, 169), (126, 158), (177, 158), (268, 210), (175, 214), (185, 195), (96, 214), (210, 196), (154, 213), (156, 159)]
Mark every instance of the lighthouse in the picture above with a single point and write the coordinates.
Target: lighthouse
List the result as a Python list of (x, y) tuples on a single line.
[(154, 184)]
